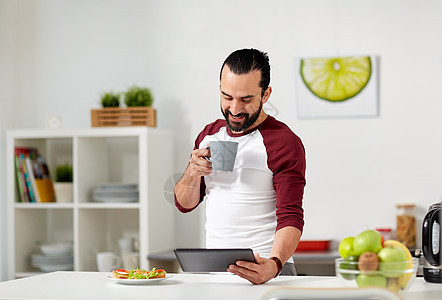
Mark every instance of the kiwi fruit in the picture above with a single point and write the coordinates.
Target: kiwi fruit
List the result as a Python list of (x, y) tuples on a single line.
[(368, 261)]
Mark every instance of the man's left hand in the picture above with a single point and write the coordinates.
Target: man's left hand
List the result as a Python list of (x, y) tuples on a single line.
[(262, 271)]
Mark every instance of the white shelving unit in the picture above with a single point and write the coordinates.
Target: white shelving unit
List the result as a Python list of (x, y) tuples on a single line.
[(125, 154)]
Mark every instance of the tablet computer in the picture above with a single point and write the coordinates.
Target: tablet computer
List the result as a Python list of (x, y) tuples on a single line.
[(211, 260)]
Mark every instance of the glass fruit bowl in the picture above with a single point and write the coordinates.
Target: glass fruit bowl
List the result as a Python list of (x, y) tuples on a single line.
[(394, 276)]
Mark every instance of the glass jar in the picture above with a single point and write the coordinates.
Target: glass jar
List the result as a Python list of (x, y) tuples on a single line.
[(406, 225), (385, 232)]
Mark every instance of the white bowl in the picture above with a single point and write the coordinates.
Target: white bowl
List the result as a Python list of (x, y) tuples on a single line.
[(55, 248)]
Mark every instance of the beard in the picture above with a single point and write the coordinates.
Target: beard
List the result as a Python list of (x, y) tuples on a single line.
[(248, 121)]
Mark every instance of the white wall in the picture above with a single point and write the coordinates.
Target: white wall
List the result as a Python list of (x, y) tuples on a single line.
[(8, 86), (69, 52)]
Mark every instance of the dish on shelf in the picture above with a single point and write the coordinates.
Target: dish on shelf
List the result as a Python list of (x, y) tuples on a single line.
[(118, 186), (50, 263), (138, 281), (52, 259), (55, 248), (115, 195)]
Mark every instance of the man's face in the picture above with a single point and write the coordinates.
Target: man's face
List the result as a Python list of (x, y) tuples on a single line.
[(241, 99)]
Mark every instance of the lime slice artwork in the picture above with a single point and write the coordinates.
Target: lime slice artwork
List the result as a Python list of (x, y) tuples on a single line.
[(336, 79)]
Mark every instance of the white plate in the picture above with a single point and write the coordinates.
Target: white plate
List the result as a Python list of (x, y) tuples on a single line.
[(138, 281), (115, 200), (115, 195), (52, 259), (118, 185)]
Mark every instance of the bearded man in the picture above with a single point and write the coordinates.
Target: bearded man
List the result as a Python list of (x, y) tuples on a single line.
[(259, 204)]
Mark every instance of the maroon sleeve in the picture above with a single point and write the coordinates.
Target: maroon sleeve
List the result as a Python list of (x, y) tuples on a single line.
[(208, 130), (286, 159)]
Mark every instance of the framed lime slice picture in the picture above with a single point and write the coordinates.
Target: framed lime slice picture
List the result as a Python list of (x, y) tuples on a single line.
[(336, 78), (337, 86)]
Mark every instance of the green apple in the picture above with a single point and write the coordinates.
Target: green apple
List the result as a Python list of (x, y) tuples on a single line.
[(346, 247), (367, 241), (393, 261), (348, 263), (371, 281)]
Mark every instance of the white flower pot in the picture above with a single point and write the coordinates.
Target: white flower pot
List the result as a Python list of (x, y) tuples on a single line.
[(63, 191)]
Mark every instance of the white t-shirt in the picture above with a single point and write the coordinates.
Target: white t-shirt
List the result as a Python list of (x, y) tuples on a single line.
[(262, 194)]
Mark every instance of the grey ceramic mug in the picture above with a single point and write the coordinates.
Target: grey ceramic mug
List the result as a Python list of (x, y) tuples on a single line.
[(223, 155)]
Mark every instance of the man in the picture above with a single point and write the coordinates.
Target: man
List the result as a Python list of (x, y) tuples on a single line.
[(259, 204)]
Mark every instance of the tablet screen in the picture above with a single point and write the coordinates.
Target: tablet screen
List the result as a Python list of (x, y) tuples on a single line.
[(211, 260)]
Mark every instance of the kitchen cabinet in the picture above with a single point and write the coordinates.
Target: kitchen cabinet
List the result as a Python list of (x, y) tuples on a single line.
[(139, 155)]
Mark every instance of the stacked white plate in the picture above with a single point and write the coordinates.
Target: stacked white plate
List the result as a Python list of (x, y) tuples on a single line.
[(116, 192), (54, 256), (50, 263)]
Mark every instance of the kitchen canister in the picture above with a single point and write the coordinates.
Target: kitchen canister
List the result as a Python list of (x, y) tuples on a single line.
[(406, 225)]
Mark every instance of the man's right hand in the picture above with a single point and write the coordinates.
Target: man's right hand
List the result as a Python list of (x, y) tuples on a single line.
[(187, 189), (199, 165)]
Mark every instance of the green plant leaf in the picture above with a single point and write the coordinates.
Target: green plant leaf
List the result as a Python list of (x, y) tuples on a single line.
[(138, 96), (110, 99), (63, 173)]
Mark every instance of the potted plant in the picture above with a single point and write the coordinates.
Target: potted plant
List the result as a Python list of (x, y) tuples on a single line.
[(63, 183), (138, 110), (110, 99)]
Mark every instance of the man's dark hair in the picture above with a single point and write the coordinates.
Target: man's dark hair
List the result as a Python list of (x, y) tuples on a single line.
[(244, 61)]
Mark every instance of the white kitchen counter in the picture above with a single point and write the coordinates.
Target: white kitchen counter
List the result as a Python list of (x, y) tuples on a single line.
[(95, 285)]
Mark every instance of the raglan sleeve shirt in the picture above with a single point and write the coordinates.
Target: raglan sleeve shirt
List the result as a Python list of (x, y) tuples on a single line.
[(286, 160)]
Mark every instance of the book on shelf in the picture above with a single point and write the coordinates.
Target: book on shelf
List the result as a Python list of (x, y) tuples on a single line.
[(34, 182), (29, 167), (24, 182), (22, 192)]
